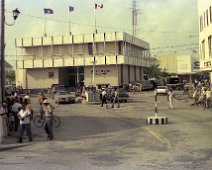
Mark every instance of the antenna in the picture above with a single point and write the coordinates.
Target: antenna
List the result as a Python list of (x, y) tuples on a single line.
[(134, 17)]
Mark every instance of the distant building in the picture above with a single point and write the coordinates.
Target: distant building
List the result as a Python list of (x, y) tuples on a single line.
[(184, 65), (205, 35), (8, 68), (116, 58)]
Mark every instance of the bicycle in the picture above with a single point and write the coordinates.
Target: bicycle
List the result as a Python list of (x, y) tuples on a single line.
[(39, 121)]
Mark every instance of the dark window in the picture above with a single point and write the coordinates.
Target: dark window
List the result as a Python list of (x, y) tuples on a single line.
[(207, 20), (51, 74), (200, 23), (210, 14), (209, 45), (203, 49), (120, 48), (90, 48)]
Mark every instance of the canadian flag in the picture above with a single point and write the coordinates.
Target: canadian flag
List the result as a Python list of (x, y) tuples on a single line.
[(98, 6)]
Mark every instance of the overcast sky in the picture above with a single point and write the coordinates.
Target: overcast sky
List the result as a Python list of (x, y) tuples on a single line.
[(162, 23)]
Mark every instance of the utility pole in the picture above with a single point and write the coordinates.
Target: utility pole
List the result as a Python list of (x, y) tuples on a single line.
[(2, 49), (134, 17)]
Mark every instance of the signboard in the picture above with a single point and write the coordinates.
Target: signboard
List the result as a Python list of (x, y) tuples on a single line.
[(101, 72)]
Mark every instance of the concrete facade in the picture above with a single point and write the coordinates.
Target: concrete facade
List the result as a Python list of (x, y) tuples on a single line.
[(184, 65), (205, 35), (116, 58)]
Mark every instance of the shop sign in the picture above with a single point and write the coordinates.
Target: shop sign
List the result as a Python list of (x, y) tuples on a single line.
[(101, 72)]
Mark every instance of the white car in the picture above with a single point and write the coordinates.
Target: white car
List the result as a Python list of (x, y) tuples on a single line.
[(162, 90), (64, 97)]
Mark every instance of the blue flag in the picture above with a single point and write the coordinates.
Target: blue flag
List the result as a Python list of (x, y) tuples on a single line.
[(48, 11), (71, 8)]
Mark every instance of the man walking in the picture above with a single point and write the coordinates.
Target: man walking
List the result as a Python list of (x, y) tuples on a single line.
[(116, 98), (48, 113), (104, 99), (15, 109), (24, 116), (170, 98)]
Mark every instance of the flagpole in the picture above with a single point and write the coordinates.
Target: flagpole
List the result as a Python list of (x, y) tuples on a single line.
[(69, 23), (95, 31), (45, 34)]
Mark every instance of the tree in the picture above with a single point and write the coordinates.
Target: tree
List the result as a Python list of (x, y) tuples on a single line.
[(154, 71), (10, 76)]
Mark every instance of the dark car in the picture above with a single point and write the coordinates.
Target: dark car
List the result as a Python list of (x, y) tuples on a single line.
[(123, 95)]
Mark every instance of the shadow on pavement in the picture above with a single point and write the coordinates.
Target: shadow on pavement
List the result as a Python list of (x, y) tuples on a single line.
[(77, 127), (6, 148)]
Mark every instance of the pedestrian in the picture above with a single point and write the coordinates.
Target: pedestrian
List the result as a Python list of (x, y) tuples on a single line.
[(208, 97), (48, 113), (41, 98), (29, 106), (116, 98), (170, 98), (15, 109), (24, 116), (104, 97)]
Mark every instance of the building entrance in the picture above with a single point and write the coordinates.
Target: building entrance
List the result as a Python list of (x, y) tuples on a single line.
[(75, 76)]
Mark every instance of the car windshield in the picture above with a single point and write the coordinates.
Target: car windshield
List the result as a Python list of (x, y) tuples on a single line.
[(162, 87)]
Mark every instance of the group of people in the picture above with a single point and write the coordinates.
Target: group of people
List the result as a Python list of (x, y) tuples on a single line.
[(17, 115), (104, 96), (202, 92)]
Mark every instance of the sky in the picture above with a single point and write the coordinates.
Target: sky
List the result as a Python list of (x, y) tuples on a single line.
[(168, 25)]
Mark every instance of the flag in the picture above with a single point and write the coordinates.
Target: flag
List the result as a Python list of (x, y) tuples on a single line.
[(71, 8), (98, 6), (48, 11)]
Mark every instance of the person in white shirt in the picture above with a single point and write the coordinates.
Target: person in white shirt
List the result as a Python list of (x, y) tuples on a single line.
[(48, 113), (170, 98), (24, 116), (208, 97), (104, 99), (15, 109)]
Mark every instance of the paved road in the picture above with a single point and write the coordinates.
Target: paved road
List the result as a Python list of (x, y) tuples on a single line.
[(95, 138)]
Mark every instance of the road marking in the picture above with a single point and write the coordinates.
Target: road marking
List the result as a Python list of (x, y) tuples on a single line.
[(160, 138)]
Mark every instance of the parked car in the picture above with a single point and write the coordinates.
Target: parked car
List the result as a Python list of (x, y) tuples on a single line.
[(64, 97), (58, 87), (162, 90), (123, 95)]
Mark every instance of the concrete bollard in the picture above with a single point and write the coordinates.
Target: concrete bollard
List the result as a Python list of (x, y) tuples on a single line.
[(156, 120)]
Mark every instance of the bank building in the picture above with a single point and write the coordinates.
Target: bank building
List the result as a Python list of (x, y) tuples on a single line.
[(104, 58)]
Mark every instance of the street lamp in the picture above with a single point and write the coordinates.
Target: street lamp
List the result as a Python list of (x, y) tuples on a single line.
[(16, 13)]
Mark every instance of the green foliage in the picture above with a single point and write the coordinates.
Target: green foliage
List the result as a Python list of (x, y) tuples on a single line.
[(154, 71), (10, 75)]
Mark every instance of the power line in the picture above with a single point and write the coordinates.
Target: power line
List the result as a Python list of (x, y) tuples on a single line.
[(67, 22)]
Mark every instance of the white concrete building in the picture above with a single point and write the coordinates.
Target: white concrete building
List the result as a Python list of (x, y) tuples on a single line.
[(205, 35), (116, 58)]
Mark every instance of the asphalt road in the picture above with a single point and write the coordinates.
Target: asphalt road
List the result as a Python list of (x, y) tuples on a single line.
[(95, 138)]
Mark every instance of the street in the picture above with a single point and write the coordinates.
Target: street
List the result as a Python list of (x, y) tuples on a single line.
[(95, 138)]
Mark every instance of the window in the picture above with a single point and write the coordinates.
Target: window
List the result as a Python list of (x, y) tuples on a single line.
[(120, 49), (210, 14), (209, 45), (204, 20), (201, 23), (203, 49), (90, 48), (207, 21), (51, 74)]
